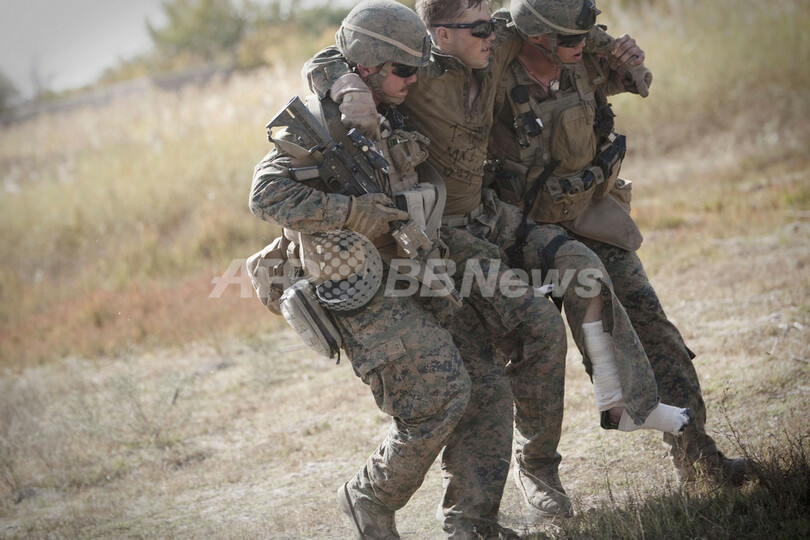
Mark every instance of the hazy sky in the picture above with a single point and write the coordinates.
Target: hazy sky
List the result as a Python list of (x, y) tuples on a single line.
[(71, 41)]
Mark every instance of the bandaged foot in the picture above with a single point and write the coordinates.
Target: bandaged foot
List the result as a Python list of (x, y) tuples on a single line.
[(607, 389), (664, 418)]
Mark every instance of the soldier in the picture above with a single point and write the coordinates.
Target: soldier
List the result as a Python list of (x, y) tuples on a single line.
[(556, 111), (453, 104), (396, 345)]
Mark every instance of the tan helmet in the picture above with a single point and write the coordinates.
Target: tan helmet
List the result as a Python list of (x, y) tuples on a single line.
[(380, 31), (557, 17)]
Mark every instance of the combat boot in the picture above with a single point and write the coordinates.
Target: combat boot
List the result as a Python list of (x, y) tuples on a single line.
[(484, 530), (367, 524), (544, 493), (717, 468)]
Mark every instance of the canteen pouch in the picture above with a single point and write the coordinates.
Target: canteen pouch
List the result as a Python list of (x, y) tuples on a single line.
[(315, 327)]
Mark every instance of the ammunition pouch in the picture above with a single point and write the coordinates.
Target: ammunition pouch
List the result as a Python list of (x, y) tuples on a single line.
[(407, 149), (510, 186), (564, 198), (420, 203)]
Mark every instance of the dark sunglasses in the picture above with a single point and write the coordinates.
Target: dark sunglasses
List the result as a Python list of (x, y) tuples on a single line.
[(403, 71), (479, 29), (570, 41)]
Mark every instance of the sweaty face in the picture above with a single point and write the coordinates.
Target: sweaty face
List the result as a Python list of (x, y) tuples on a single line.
[(472, 51)]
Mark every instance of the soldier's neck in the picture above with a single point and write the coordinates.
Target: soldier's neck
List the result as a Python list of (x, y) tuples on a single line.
[(539, 63)]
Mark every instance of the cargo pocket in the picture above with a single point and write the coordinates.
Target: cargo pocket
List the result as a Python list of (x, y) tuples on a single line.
[(396, 382)]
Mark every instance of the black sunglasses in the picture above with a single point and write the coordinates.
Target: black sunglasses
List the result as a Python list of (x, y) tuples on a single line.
[(403, 71), (479, 29), (570, 41)]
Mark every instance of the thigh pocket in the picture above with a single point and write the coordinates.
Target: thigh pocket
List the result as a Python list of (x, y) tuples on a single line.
[(397, 382)]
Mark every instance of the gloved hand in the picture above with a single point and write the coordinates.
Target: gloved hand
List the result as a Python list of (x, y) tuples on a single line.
[(627, 58), (370, 216), (356, 104)]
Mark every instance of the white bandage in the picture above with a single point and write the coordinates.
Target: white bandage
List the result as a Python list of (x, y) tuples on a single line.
[(664, 418), (607, 388)]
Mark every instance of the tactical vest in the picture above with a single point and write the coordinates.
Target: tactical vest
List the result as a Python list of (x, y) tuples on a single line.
[(413, 184), (559, 128), (405, 151)]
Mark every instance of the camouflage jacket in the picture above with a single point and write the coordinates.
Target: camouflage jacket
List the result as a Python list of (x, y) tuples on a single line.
[(438, 104)]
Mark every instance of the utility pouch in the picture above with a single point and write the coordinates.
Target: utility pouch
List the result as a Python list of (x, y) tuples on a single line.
[(313, 324), (608, 220), (407, 149), (270, 273), (420, 203), (609, 159)]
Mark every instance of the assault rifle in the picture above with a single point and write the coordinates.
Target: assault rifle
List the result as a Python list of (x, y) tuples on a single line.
[(352, 174)]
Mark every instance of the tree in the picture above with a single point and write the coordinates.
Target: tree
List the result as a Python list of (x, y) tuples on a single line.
[(207, 29), (8, 92)]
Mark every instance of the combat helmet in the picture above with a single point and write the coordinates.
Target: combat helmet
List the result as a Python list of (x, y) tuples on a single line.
[(380, 31), (556, 17)]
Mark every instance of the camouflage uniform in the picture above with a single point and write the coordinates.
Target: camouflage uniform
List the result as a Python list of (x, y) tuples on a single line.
[(459, 136), (593, 80), (401, 350), (396, 347)]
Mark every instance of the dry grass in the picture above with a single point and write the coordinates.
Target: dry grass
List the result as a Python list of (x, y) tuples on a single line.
[(133, 405)]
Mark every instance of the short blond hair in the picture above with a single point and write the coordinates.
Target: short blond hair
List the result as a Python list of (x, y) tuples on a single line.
[(444, 11)]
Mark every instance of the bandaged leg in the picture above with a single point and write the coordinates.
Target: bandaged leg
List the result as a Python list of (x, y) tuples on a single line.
[(607, 389)]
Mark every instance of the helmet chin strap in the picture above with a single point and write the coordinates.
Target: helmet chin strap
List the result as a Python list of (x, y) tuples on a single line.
[(375, 82), (550, 52)]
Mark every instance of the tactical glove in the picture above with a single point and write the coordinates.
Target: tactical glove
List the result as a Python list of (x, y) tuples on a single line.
[(637, 79), (356, 104), (370, 216)]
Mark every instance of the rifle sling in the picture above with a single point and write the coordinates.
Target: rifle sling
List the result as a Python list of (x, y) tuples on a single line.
[(516, 253)]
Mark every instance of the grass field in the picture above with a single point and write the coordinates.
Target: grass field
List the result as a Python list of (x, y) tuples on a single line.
[(133, 404)]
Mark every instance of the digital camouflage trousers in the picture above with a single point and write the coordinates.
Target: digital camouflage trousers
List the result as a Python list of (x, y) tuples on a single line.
[(669, 356)]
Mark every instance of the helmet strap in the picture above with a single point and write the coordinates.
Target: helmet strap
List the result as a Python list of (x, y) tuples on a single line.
[(550, 52), (375, 82)]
